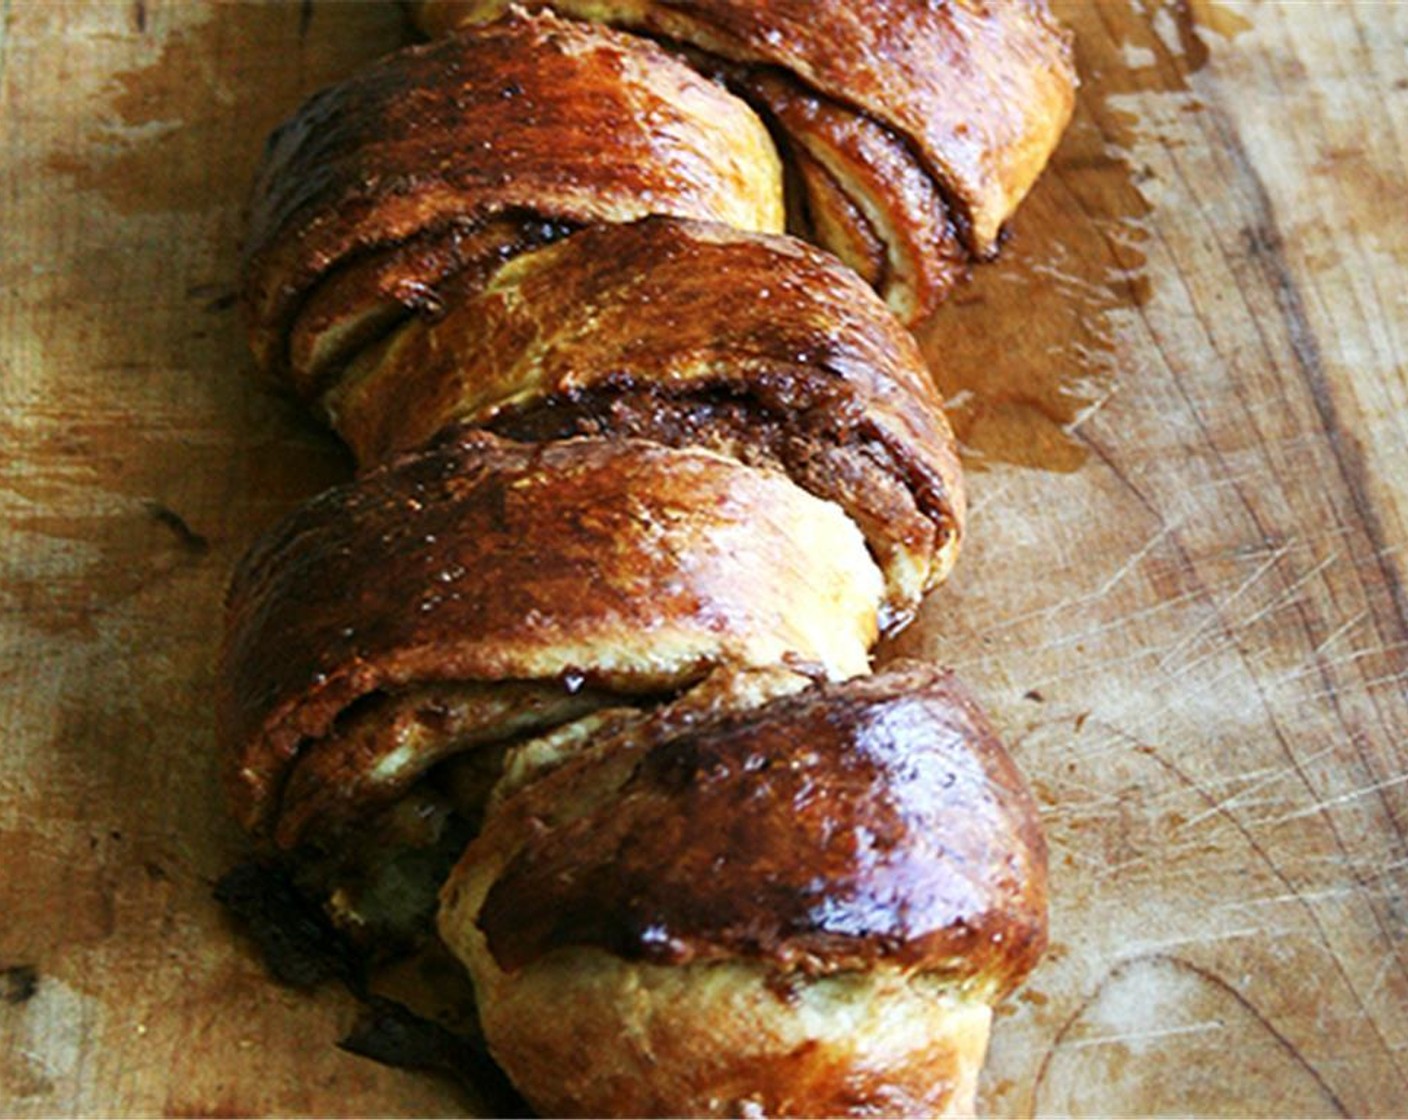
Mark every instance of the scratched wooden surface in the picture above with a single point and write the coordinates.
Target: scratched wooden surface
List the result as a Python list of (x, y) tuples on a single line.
[(1185, 400)]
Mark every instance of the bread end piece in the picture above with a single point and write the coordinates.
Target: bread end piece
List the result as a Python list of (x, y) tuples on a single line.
[(800, 908), (582, 1032)]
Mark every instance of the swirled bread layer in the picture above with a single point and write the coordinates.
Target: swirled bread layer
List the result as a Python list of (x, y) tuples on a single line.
[(691, 334), (530, 127), (618, 567)]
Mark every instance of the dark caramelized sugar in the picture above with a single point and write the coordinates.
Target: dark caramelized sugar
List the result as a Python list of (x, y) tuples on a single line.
[(884, 486)]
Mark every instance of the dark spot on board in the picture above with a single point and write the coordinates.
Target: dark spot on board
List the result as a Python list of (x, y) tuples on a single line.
[(1262, 240), (1034, 696), (301, 947), (394, 1035), (18, 983), (188, 538), (1193, 47), (220, 1110), (1034, 997), (294, 937)]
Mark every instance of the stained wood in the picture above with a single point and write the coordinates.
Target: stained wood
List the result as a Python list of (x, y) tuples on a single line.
[(1183, 394)]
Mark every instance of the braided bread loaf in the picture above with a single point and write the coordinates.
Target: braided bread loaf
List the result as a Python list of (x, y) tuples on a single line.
[(643, 481)]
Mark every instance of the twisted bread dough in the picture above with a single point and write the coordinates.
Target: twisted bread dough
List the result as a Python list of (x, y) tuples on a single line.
[(451, 157), (643, 482), (623, 566), (627, 331), (914, 129)]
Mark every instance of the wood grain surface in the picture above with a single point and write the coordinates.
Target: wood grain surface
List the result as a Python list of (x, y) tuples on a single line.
[(1184, 396)]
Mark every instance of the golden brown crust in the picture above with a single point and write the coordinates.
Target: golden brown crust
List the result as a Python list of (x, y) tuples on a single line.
[(821, 211), (355, 305), (875, 821), (546, 118), (584, 1033), (621, 565), (689, 334), (802, 907), (978, 91)]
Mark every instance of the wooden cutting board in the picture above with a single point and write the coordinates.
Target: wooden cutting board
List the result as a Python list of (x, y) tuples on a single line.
[(1184, 398)]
